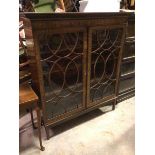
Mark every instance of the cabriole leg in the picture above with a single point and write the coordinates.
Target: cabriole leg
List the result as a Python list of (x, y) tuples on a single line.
[(39, 128)]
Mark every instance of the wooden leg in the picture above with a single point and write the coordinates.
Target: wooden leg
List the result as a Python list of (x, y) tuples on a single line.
[(114, 103), (47, 132), (42, 122), (39, 128), (32, 119)]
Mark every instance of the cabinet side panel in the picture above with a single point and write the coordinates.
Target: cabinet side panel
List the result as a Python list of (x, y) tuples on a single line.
[(31, 53)]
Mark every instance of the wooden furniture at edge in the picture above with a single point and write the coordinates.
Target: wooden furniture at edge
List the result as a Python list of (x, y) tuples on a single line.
[(29, 100), (127, 78), (75, 61)]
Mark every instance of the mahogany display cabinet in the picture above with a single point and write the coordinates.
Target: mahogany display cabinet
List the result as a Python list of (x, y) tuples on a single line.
[(75, 61)]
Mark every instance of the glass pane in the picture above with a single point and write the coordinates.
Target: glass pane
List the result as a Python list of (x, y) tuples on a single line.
[(104, 58), (62, 59)]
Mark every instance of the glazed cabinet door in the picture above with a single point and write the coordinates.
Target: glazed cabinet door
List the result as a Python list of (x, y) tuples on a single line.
[(104, 55), (62, 55)]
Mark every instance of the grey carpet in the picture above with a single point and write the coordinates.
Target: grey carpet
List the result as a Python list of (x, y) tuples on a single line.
[(100, 132)]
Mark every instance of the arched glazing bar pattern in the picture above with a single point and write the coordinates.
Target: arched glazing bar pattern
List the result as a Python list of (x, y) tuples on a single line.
[(106, 44)]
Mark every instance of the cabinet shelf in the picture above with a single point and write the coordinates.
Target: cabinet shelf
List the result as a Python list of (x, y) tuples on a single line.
[(127, 59), (128, 75)]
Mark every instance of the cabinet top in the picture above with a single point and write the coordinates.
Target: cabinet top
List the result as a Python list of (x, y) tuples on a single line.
[(72, 15)]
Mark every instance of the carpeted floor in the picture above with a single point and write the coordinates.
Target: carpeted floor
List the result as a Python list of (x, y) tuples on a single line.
[(100, 132)]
